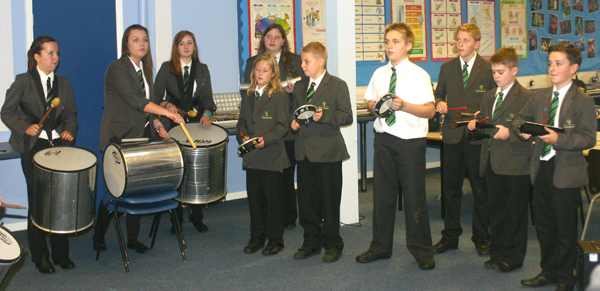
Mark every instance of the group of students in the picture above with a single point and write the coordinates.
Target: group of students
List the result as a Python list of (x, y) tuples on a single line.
[(497, 167)]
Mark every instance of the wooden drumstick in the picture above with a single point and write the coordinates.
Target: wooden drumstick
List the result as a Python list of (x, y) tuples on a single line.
[(187, 134), (54, 103), (191, 113), (458, 108), (6, 205), (486, 118)]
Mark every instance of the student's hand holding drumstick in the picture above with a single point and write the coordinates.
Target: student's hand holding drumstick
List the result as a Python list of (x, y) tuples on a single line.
[(33, 130), (244, 138), (442, 107), (261, 143), (171, 107), (472, 123)]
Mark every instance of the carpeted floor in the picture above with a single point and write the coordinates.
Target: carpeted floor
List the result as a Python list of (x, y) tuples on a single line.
[(215, 260)]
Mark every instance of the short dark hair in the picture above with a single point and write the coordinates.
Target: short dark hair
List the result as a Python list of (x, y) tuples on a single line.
[(573, 54), (506, 56)]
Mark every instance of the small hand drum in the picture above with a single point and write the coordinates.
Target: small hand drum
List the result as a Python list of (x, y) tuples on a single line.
[(383, 106), (304, 113), (247, 146)]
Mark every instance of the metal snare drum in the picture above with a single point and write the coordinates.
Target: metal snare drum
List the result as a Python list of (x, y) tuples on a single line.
[(10, 252), (247, 146), (382, 107), (64, 180), (139, 168), (205, 178)]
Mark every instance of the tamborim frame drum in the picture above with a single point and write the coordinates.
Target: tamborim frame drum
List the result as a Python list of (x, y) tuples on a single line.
[(247, 146), (382, 107), (205, 178), (140, 168), (10, 252), (64, 180), (304, 113)]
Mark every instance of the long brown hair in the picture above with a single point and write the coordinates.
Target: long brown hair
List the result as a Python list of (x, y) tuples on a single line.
[(286, 58), (275, 83), (146, 60), (36, 47), (175, 58)]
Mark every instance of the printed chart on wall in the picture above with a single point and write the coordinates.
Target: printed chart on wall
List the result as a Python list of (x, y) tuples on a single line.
[(263, 13), (412, 12), (446, 16), (369, 30), (482, 14), (313, 21), (513, 26)]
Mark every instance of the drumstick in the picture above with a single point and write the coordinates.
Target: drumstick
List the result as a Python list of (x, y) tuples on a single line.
[(458, 108), (460, 115), (455, 124), (191, 113), (54, 103), (484, 119), (187, 134), (545, 121), (6, 205)]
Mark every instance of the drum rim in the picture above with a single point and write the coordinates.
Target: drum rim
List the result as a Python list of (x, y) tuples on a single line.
[(63, 232), (382, 99), (304, 121), (241, 146), (4, 261), (104, 172), (205, 146), (74, 171)]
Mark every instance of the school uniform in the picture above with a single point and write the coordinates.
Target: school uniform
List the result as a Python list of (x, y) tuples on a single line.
[(265, 117), (25, 104), (505, 167), (558, 176), (320, 150), (460, 155)]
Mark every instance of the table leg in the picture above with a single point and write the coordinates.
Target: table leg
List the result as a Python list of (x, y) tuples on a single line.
[(363, 156)]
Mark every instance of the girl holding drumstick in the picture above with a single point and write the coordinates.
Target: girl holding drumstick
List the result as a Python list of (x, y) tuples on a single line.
[(264, 114)]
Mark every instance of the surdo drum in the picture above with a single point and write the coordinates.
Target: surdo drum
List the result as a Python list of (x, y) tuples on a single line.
[(205, 178), (382, 107), (139, 168), (64, 180), (10, 252)]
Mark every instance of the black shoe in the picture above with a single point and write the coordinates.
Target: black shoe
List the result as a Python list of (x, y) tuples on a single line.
[(564, 287), (305, 252), (253, 246), (426, 263), (490, 264), (289, 226), (65, 263), (368, 257), (443, 246), (43, 265), (483, 247), (272, 248), (138, 247), (539, 281), (201, 227), (331, 255), (504, 266)]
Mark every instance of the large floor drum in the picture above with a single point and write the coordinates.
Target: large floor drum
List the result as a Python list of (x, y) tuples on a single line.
[(64, 180), (139, 168), (205, 178)]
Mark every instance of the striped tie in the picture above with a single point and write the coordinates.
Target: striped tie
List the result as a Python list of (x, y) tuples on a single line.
[(186, 79), (139, 72), (496, 108), (310, 92), (49, 94), (390, 120), (551, 116), (257, 95), (465, 74)]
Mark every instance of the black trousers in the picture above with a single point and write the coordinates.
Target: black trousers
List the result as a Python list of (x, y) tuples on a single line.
[(508, 198), (265, 202), (556, 225), (35, 236), (196, 217), (319, 197), (398, 161), (460, 159), (288, 190)]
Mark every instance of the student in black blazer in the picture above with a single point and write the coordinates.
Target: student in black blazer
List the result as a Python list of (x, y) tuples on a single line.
[(461, 156), (127, 91), (183, 83), (275, 42), (264, 115), (27, 100)]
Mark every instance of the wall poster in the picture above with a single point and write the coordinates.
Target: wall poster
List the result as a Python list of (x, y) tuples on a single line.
[(446, 16), (262, 13), (412, 12), (513, 25), (483, 14), (313, 21), (369, 30)]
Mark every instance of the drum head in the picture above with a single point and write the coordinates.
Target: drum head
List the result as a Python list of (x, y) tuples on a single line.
[(65, 159), (113, 167), (247, 146), (10, 250), (383, 106), (304, 113), (204, 136)]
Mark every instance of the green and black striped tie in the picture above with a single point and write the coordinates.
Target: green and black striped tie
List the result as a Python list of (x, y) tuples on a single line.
[(390, 120), (496, 108), (465, 74), (186, 79), (551, 116), (49, 94), (257, 95), (310, 92)]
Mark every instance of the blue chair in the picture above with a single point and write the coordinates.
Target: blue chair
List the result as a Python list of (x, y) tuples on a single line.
[(154, 203)]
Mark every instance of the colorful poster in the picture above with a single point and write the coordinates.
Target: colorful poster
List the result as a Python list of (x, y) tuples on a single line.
[(313, 21), (262, 13), (446, 16), (412, 12), (483, 14), (513, 26), (369, 30)]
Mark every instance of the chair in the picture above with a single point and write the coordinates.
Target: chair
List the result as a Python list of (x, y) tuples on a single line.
[(154, 203)]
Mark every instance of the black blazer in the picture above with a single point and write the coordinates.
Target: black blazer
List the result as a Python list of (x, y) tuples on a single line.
[(322, 141), (124, 103), (23, 96), (578, 118), (511, 156), (267, 118), (450, 89), (170, 88)]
